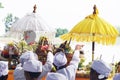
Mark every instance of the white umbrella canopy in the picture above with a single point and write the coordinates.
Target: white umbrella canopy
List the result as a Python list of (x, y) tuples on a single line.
[(30, 22)]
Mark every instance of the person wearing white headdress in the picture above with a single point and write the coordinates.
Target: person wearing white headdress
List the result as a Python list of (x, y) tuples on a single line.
[(3, 70), (55, 76), (32, 69), (117, 75), (100, 70), (60, 62), (19, 72)]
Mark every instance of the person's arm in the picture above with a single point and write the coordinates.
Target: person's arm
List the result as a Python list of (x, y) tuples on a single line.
[(75, 59), (50, 55), (49, 63)]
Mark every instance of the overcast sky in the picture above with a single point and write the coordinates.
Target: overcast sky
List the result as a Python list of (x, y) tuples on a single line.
[(63, 13)]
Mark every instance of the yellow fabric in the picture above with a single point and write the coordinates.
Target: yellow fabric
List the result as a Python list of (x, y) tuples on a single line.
[(104, 32)]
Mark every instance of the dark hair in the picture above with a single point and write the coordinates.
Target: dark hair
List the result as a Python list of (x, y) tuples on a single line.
[(61, 67), (81, 52), (4, 77), (118, 63), (117, 66), (32, 75)]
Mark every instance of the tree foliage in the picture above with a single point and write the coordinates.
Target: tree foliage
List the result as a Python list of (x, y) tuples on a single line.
[(9, 19), (60, 31), (1, 5)]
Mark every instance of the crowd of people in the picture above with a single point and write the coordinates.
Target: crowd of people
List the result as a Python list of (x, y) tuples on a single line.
[(31, 68)]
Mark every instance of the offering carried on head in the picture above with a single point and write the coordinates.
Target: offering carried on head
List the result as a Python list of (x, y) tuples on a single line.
[(42, 48)]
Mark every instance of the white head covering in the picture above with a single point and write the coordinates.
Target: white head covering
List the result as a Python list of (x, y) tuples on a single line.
[(102, 68), (117, 76), (28, 56), (60, 59), (3, 68), (55, 76), (33, 66)]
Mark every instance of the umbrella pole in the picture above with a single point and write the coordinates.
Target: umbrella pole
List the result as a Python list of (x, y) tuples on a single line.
[(93, 48)]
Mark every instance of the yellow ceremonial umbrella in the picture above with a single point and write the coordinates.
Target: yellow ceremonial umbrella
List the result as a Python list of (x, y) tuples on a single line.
[(93, 28)]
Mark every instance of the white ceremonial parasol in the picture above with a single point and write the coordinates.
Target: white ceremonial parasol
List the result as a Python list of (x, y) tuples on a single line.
[(30, 22)]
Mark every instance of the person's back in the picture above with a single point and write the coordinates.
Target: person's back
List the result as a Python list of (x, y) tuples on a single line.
[(116, 76), (19, 71), (3, 70), (55, 76), (32, 69)]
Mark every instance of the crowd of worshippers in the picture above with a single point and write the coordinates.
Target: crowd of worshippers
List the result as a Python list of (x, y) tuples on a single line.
[(30, 68)]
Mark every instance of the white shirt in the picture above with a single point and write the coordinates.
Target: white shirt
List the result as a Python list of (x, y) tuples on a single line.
[(19, 73), (3, 68), (117, 76)]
